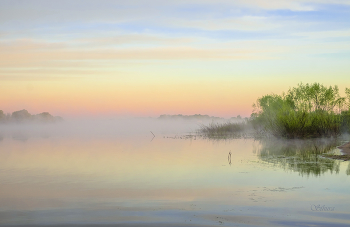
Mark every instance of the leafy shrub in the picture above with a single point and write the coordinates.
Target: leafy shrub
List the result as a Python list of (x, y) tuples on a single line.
[(304, 112)]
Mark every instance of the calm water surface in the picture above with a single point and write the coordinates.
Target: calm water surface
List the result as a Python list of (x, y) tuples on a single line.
[(133, 180)]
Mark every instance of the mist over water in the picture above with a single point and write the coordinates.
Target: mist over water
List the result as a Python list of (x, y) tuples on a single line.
[(161, 173), (74, 74), (100, 127)]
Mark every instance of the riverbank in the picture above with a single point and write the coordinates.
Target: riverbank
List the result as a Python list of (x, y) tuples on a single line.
[(345, 150)]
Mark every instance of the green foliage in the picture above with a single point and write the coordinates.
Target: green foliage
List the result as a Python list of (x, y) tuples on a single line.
[(346, 121), (315, 97), (347, 92), (310, 110)]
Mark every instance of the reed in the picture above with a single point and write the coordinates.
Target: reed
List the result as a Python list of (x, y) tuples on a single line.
[(227, 129)]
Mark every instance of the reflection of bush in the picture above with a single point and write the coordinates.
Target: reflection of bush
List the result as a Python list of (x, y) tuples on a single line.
[(303, 156), (348, 170)]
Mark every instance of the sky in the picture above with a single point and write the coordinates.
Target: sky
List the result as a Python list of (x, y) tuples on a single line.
[(151, 57)]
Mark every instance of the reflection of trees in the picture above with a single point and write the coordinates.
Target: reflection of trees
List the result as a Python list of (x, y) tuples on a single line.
[(303, 156), (229, 158), (348, 170), (20, 136)]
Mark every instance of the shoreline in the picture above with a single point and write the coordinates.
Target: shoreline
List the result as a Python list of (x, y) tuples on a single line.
[(344, 149)]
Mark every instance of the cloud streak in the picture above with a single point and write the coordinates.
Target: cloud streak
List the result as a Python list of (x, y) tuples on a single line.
[(30, 53)]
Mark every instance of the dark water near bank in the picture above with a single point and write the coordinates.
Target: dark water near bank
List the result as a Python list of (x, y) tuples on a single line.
[(137, 181)]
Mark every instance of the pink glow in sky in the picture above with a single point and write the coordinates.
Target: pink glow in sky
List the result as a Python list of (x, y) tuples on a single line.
[(146, 58)]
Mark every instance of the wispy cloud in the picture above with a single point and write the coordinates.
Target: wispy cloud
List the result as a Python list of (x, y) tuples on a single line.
[(23, 45), (136, 39), (36, 58), (245, 23), (108, 11), (325, 34)]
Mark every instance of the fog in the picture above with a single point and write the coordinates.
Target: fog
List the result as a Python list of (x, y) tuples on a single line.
[(102, 127)]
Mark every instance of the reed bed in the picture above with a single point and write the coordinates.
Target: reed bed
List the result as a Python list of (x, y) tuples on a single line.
[(222, 129)]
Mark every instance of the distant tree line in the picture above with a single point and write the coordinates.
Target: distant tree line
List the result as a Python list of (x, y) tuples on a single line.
[(198, 117), (189, 117), (23, 116)]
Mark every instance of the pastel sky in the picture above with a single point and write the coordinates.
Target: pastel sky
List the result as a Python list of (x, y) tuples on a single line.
[(152, 57)]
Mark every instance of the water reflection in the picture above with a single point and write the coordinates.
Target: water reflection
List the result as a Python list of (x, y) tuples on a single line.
[(348, 170), (128, 179), (19, 136), (303, 156), (229, 158)]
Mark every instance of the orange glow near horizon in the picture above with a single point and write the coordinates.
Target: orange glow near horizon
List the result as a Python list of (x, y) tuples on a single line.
[(103, 98), (144, 63), (110, 97)]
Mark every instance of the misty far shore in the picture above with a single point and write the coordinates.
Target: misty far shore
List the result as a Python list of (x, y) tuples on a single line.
[(200, 117), (305, 111), (23, 116)]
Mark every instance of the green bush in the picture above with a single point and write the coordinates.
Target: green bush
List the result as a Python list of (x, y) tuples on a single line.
[(303, 112)]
